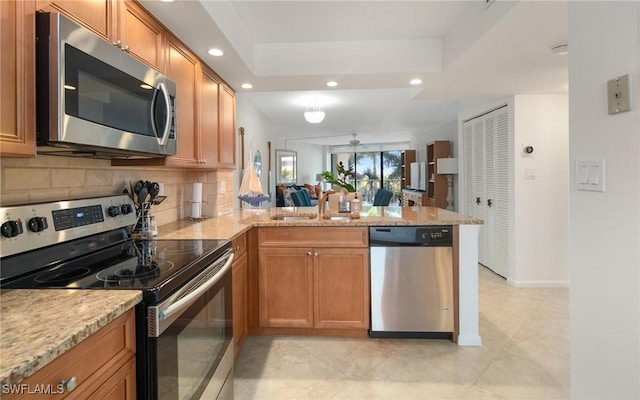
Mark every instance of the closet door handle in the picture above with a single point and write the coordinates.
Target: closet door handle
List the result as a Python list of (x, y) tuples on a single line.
[(489, 203), (478, 200)]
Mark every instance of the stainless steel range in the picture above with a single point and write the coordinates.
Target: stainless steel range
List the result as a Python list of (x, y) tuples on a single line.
[(184, 346)]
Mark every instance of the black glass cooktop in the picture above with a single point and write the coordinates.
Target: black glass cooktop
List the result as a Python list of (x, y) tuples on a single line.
[(154, 266)]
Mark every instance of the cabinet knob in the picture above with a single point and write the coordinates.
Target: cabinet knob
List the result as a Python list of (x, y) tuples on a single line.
[(308, 253), (315, 254), (118, 44), (69, 384), (126, 48)]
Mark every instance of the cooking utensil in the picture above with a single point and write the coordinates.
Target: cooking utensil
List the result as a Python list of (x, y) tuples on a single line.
[(154, 190), (142, 195)]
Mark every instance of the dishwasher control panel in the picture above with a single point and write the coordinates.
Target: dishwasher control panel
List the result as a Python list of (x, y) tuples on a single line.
[(431, 236)]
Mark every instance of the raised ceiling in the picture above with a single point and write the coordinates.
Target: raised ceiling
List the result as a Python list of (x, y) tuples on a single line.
[(288, 50)]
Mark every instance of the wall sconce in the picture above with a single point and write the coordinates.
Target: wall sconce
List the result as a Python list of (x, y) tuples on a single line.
[(313, 114), (449, 167)]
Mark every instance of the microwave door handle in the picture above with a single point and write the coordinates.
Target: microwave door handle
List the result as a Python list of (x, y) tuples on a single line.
[(162, 88), (195, 294)]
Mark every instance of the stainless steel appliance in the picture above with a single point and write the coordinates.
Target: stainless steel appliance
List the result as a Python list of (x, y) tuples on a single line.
[(184, 338), (93, 99), (411, 281)]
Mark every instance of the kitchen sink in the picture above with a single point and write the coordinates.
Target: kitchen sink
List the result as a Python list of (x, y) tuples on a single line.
[(293, 217), (340, 218)]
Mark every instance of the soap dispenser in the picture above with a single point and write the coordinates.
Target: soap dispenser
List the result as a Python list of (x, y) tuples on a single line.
[(356, 206)]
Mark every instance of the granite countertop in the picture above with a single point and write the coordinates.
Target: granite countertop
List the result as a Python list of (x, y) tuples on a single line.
[(231, 225), (36, 326)]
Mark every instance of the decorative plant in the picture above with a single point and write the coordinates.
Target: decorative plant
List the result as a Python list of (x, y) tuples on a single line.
[(343, 177)]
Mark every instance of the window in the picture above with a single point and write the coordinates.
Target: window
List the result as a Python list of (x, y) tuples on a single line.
[(373, 170)]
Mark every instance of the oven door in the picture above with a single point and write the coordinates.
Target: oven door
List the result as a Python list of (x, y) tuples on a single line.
[(190, 339)]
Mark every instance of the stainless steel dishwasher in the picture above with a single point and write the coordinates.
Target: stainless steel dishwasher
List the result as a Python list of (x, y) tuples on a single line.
[(411, 281)]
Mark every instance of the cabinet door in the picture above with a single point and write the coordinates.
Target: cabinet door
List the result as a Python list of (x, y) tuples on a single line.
[(98, 15), (286, 287), (341, 288), (17, 103), (120, 386), (239, 277), (141, 35), (227, 127), (208, 118), (182, 68)]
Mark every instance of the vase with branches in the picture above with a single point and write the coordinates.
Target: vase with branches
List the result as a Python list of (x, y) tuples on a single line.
[(342, 180)]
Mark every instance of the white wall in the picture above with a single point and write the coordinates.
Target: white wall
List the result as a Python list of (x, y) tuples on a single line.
[(257, 128), (540, 214), (539, 207), (448, 131), (604, 230)]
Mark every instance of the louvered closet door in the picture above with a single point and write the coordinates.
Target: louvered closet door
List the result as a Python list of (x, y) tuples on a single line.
[(502, 192), (490, 189), (479, 194)]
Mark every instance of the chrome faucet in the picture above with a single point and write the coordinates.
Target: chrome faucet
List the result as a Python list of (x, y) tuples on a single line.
[(322, 204)]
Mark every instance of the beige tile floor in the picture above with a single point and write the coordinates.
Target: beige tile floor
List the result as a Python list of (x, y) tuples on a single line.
[(525, 355)]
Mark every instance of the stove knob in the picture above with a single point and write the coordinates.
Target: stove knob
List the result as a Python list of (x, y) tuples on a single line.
[(11, 228), (37, 224), (114, 211), (126, 209)]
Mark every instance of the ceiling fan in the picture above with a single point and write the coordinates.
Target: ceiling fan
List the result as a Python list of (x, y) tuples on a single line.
[(354, 141)]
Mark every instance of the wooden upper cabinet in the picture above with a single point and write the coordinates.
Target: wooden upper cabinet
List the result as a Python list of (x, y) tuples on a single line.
[(17, 76), (208, 114), (141, 35), (183, 69), (99, 16), (227, 127), (122, 22)]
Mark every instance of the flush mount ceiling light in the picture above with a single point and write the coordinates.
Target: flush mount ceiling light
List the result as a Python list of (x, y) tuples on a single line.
[(313, 114), (415, 82), (246, 86), (332, 83), (560, 49), (216, 52)]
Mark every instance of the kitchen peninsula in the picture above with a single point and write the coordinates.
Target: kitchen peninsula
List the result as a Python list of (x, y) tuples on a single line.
[(249, 227)]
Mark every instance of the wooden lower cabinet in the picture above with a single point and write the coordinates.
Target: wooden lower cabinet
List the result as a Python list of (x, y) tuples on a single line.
[(319, 288), (103, 366), (286, 288), (341, 288), (239, 277)]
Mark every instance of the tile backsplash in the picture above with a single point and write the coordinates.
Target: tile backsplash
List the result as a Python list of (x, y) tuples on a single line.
[(52, 178)]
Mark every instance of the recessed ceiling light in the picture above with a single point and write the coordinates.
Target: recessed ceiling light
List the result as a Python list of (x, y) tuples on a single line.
[(216, 52), (145, 86), (415, 82), (167, 1), (332, 83), (560, 49), (246, 86)]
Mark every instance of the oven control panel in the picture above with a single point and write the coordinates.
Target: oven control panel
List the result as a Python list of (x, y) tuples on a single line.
[(32, 226)]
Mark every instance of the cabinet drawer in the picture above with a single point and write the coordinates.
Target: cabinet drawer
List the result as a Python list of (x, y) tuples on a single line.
[(91, 362), (239, 245), (318, 236)]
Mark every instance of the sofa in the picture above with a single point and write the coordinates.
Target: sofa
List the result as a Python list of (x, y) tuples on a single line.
[(283, 193)]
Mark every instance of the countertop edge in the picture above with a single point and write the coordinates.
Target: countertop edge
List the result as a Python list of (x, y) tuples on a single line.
[(23, 366)]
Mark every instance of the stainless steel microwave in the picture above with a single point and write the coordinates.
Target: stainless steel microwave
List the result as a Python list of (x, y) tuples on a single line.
[(95, 100)]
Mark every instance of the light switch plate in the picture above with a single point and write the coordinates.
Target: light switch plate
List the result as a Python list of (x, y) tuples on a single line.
[(590, 175), (619, 94)]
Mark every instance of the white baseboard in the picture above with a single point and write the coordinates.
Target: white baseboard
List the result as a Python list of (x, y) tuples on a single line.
[(469, 340), (537, 284)]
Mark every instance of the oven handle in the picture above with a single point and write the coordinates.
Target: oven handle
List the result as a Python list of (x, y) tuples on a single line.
[(187, 295)]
